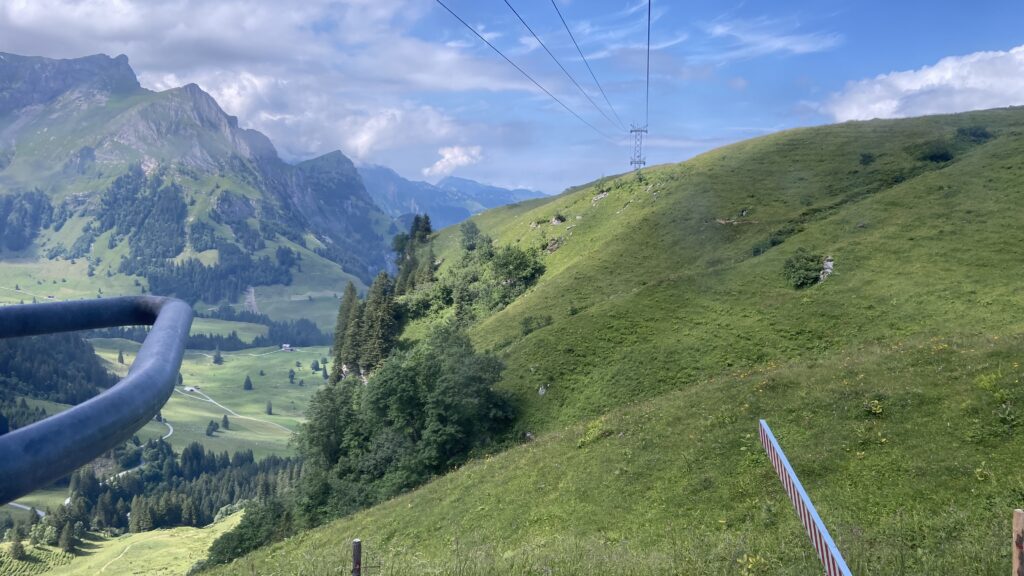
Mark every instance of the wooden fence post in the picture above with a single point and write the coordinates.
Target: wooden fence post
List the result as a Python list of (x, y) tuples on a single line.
[(1018, 542), (357, 557)]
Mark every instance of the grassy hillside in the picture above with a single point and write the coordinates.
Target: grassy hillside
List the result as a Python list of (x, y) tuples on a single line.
[(893, 386), (157, 552)]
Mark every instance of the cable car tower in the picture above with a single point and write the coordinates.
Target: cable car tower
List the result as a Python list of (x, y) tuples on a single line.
[(638, 132), (638, 160)]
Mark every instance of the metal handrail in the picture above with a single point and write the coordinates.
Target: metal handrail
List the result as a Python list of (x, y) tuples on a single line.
[(38, 454)]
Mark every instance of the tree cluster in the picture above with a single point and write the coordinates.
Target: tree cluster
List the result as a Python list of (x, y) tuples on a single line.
[(57, 367), (484, 279), (168, 491), (414, 268), (22, 215), (423, 411), (16, 413), (366, 331)]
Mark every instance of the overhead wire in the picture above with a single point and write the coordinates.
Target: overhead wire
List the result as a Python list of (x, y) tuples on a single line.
[(622, 125), (553, 57), (647, 95), (523, 72)]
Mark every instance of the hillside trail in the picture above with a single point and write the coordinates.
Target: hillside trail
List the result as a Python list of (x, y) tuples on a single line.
[(203, 397), (127, 548), (39, 513), (230, 354)]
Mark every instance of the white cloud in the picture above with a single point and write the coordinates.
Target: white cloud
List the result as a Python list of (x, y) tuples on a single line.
[(954, 84), (453, 157), (764, 36), (315, 77)]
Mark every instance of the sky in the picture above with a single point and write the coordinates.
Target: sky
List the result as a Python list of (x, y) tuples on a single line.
[(403, 83)]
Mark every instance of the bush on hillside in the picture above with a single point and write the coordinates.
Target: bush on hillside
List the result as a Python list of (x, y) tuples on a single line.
[(263, 523), (802, 269)]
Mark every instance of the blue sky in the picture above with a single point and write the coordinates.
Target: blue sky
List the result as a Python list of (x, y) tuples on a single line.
[(402, 83)]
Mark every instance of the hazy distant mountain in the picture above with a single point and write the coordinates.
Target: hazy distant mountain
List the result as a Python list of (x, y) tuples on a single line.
[(451, 201), (166, 185), (486, 195)]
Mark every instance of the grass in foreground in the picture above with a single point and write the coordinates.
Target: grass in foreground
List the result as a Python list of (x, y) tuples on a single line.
[(922, 481), (893, 386)]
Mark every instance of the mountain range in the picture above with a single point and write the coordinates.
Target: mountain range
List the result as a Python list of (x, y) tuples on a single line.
[(168, 187), (448, 202)]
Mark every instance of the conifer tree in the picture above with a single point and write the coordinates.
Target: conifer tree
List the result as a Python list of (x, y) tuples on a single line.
[(217, 358), (224, 423), (120, 356), (348, 301), (67, 538), (352, 343), (270, 408), (247, 385), (379, 327), (17, 550), (425, 272)]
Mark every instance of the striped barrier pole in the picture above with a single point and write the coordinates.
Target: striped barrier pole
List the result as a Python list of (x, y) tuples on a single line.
[(829, 555)]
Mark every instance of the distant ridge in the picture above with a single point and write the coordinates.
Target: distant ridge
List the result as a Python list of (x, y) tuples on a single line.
[(449, 202)]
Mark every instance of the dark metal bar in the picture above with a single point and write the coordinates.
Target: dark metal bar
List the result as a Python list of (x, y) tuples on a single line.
[(36, 455), (357, 557)]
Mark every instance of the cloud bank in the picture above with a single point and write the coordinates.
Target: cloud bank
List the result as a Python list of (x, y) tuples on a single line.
[(954, 84)]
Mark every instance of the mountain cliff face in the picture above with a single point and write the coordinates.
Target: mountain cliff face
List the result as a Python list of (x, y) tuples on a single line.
[(451, 201), (85, 140)]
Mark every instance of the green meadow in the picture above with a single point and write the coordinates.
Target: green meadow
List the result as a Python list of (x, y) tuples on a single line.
[(667, 329), (250, 427)]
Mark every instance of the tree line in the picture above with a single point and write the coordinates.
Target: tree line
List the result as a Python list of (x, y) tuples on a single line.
[(56, 367), (168, 491)]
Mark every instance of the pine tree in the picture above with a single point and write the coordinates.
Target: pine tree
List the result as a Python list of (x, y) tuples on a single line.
[(120, 356), (291, 376), (270, 409), (67, 538), (17, 550), (348, 301), (348, 356), (247, 385), (224, 423), (379, 327), (217, 358), (426, 271)]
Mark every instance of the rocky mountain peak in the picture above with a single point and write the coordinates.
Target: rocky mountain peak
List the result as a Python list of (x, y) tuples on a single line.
[(31, 80)]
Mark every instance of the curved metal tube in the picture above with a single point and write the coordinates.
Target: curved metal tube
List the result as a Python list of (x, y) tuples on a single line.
[(38, 454)]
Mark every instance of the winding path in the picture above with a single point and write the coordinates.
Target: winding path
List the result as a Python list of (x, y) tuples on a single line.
[(127, 548), (205, 398), (26, 508), (229, 354)]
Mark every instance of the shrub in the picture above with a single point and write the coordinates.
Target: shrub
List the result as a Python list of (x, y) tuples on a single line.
[(973, 134), (533, 323), (802, 269)]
